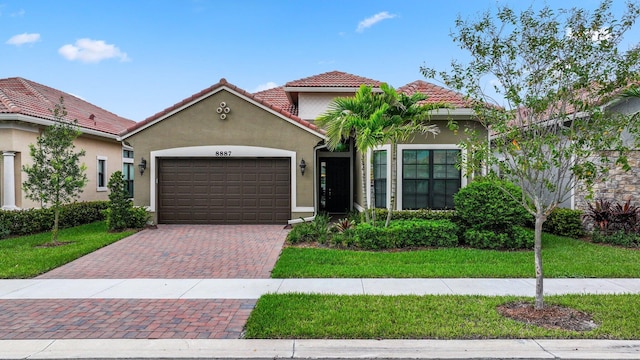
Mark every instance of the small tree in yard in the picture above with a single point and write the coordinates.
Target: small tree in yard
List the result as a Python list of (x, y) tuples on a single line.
[(56, 176), (555, 70)]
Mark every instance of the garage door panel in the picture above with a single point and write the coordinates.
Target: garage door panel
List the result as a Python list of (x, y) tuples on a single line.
[(224, 190)]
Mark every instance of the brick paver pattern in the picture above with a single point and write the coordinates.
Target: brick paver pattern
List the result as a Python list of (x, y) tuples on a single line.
[(168, 252), (123, 319), (183, 252)]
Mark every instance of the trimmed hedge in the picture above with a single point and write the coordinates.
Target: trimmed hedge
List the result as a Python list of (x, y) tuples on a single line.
[(565, 222), (517, 238), (422, 214), (32, 221), (400, 234)]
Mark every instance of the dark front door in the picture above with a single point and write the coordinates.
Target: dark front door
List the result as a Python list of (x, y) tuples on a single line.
[(335, 185)]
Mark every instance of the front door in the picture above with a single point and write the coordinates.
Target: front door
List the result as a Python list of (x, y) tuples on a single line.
[(335, 185)]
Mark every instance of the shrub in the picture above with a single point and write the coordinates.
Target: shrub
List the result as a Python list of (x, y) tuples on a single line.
[(422, 214), (32, 221), (483, 205), (618, 238), (608, 218), (517, 238), (309, 231), (400, 234), (564, 222)]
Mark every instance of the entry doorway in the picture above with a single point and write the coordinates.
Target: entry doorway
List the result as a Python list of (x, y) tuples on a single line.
[(335, 185)]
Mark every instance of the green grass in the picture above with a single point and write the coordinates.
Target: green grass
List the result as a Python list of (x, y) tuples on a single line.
[(298, 316), (562, 257), (23, 257)]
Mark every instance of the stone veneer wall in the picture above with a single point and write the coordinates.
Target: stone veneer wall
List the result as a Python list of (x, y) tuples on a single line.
[(618, 187)]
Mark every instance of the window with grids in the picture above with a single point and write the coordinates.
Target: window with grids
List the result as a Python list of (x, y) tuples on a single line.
[(128, 170), (429, 178), (380, 178), (102, 174)]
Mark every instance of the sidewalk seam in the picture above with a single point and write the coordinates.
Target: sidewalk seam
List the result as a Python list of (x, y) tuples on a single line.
[(545, 350)]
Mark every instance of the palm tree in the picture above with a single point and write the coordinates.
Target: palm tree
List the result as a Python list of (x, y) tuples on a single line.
[(357, 117), (405, 117)]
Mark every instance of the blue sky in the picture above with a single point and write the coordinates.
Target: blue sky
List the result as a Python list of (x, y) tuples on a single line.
[(137, 57)]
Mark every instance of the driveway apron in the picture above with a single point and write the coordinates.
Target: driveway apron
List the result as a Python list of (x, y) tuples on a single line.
[(168, 252), (183, 252)]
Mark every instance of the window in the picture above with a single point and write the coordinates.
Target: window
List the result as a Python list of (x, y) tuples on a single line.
[(128, 170), (380, 178), (102, 173), (429, 178)]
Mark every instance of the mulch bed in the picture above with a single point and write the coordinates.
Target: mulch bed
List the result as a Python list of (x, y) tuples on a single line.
[(550, 317)]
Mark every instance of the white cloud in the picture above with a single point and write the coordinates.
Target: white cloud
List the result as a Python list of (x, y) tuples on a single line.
[(91, 51), (265, 86), (370, 21), (22, 39)]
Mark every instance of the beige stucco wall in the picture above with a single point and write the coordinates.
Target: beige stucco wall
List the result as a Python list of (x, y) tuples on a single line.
[(311, 105), (246, 124), (18, 137)]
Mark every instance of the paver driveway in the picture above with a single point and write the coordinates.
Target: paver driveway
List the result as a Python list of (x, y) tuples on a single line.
[(171, 251), (183, 252)]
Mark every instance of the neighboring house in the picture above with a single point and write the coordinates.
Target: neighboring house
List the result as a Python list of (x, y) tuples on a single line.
[(225, 155), (619, 186), (25, 109)]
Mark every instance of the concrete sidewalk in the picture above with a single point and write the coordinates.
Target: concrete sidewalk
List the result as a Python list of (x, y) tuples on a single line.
[(40, 289), (319, 349), (254, 288)]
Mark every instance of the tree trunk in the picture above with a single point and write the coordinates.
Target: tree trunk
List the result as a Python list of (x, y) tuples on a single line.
[(365, 193), (394, 173), (539, 305), (56, 218)]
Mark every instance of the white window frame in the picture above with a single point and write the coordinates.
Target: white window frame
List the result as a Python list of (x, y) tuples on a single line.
[(370, 198), (129, 161), (98, 160), (401, 147)]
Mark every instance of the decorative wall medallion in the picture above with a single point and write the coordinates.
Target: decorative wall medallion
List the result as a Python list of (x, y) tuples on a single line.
[(223, 110)]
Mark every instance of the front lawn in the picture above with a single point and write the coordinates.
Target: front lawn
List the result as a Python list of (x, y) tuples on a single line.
[(562, 257), (24, 257), (298, 316)]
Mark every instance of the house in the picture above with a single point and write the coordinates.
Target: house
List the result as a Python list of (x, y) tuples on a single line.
[(25, 110), (225, 155)]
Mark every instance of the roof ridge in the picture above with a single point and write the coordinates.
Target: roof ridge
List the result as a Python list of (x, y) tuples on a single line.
[(35, 91), (6, 101)]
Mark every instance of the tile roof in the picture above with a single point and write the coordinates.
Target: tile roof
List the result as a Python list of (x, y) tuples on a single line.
[(222, 83), (435, 93), (26, 97), (278, 98), (333, 79)]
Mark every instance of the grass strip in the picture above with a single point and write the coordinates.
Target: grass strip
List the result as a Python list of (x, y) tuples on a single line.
[(562, 257), (304, 316), (25, 257)]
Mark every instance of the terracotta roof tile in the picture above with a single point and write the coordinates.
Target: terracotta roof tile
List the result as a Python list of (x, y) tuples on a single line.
[(435, 93), (21, 96), (222, 83), (333, 79), (278, 98)]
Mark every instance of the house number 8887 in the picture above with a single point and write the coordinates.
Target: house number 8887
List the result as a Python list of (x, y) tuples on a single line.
[(223, 153)]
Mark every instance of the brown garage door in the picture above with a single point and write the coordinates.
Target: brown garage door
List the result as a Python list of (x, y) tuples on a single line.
[(224, 191)]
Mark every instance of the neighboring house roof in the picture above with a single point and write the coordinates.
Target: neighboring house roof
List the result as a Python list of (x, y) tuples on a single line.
[(333, 79), (28, 98), (435, 93), (222, 84)]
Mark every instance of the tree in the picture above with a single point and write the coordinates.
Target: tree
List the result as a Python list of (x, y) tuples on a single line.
[(358, 117), (555, 70), (56, 176), (120, 204), (405, 117)]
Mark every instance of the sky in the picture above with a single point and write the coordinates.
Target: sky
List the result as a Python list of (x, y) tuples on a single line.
[(138, 57)]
